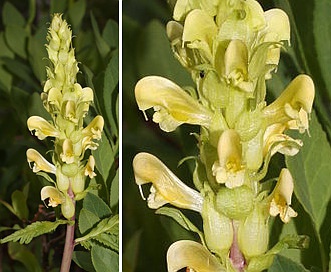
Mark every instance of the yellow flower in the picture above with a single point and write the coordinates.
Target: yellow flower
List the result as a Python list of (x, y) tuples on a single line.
[(186, 253), (281, 197), (293, 105), (42, 128), (89, 168), (39, 162), (166, 187), (229, 169), (172, 104), (54, 195), (67, 154), (92, 132)]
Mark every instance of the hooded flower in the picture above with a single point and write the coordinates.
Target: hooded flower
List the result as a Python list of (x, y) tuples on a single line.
[(293, 105), (166, 187), (42, 128), (229, 169), (281, 197), (54, 195), (39, 162), (172, 104), (89, 168), (193, 255)]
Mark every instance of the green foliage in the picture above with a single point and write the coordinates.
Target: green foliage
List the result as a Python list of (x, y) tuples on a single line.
[(23, 61), (24, 236)]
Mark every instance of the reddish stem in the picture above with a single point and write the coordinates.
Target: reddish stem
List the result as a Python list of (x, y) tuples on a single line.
[(236, 256)]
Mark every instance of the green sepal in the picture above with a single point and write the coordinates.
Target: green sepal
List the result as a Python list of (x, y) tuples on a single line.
[(181, 219)]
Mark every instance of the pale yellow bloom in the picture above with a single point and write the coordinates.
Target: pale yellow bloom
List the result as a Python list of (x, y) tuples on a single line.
[(186, 253), (229, 169), (281, 197), (42, 127), (172, 104), (92, 132), (293, 105), (39, 162), (89, 168), (54, 195), (67, 154), (166, 187)]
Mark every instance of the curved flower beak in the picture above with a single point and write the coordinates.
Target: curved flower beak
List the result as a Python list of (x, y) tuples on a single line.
[(39, 162), (293, 105), (228, 169), (278, 26), (42, 128), (172, 104), (166, 187), (199, 31), (93, 131), (281, 197), (54, 195), (192, 255)]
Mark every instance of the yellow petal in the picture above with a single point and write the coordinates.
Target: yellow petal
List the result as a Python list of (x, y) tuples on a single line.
[(42, 128), (191, 254), (278, 26), (94, 129), (228, 169), (54, 195), (67, 154), (172, 104), (281, 197), (298, 96), (89, 168), (166, 187), (39, 162)]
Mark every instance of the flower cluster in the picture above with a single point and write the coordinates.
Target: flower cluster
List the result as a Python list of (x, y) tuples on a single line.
[(230, 48), (67, 103)]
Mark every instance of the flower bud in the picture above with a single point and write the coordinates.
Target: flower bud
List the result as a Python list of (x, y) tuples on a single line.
[(235, 203), (253, 233), (217, 228), (62, 180), (68, 208), (70, 170), (78, 183)]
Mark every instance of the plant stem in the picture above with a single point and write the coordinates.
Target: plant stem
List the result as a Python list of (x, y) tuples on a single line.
[(69, 242)]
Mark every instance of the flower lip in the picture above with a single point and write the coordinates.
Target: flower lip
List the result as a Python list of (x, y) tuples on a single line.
[(42, 128), (166, 187), (172, 104), (39, 162), (54, 195), (186, 253)]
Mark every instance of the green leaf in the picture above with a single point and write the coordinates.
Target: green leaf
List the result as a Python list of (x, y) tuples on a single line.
[(110, 83), (22, 254), (96, 205), (283, 264), (24, 236), (107, 225), (87, 220), (181, 219), (322, 34), (104, 157), (100, 42), (110, 34), (20, 205), (83, 260), (104, 259), (311, 171), (114, 190), (108, 240), (58, 6), (11, 16), (16, 39), (76, 13)]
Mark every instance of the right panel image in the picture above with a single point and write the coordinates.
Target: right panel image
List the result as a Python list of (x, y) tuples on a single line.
[(226, 129)]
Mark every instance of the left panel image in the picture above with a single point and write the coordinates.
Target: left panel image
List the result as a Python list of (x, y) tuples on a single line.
[(59, 146)]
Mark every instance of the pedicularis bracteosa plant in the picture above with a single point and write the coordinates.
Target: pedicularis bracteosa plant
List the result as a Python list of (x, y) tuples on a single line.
[(72, 165), (230, 48)]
